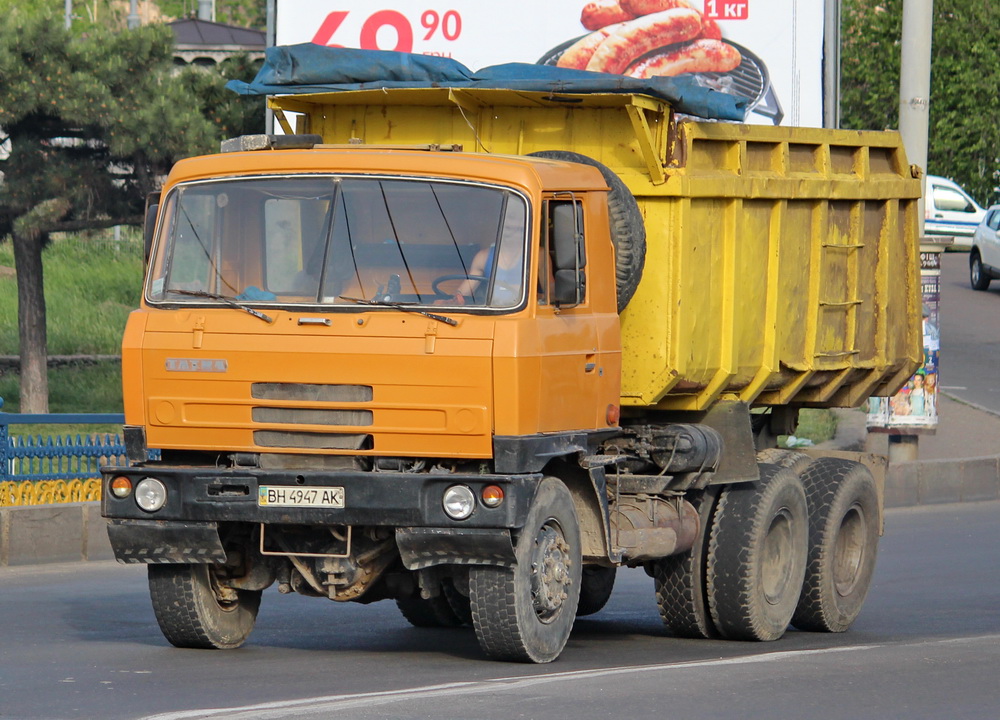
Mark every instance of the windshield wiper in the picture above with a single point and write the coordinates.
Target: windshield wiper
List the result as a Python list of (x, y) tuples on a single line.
[(404, 307), (232, 302)]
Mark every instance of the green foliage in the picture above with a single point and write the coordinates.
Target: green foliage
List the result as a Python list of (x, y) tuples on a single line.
[(246, 13), (231, 114), (93, 119), (72, 388), (114, 13), (818, 425), (90, 289), (964, 139), (870, 55)]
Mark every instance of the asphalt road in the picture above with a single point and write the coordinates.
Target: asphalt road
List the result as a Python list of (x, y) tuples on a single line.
[(970, 335), (80, 641)]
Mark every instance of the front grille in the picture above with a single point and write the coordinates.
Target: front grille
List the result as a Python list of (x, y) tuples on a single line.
[(303, 392), (313, 441), (296, 416)]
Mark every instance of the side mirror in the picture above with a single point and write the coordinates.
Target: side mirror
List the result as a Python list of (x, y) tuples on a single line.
[(152, 206), (569, 254)]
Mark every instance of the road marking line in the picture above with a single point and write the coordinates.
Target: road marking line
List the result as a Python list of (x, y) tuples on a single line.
[(333, 703)]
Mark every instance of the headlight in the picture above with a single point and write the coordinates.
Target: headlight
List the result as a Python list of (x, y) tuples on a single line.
[(458, 502), (150, 494)]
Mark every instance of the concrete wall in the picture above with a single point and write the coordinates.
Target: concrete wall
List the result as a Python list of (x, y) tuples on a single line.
[(928, 482), (53, 533)]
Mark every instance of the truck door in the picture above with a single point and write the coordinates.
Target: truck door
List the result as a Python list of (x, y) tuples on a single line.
[(570, 396)]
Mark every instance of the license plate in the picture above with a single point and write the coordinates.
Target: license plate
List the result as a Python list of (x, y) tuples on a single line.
[(285, 496)]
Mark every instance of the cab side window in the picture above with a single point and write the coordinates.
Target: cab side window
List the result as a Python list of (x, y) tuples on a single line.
[(562, 254)]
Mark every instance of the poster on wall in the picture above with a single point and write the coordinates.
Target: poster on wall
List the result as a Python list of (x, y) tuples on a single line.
[(768, 52)]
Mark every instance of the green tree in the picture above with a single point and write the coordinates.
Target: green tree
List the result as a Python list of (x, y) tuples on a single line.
[(93, 122), (231, 114), (964, 135)]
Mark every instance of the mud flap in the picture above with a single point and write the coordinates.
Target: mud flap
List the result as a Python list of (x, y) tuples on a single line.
[(157, 541), (424, 547)]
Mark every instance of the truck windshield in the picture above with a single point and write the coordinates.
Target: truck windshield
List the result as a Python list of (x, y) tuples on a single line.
[(335, 240)]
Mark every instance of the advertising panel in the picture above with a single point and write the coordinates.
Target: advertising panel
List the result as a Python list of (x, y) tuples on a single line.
[(769, 52), (913, 410)]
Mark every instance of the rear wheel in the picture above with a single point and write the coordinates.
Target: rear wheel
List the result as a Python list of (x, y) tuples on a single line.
[(843, 543), (449, 608), (680, 583), (526, 613), (977, 273), (596, 586), (195, 611), (784, 458), (757, 555)]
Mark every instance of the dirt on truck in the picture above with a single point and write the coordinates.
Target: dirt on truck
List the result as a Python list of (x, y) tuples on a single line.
[(472, 349)]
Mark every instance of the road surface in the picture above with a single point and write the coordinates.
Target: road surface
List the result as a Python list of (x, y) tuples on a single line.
[(80, 641)]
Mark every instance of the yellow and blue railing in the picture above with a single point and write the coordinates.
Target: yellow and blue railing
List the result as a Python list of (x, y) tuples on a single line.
[(41, 470)]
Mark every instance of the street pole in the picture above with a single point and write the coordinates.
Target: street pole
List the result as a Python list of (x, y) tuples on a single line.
[(272, 30), (133, 14), (915, 83), (831, 64), (914, 108), (69, 14)]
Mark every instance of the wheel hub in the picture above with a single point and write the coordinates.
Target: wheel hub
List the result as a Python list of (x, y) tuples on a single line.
[(849, 551), (550, 572), (778, 559)]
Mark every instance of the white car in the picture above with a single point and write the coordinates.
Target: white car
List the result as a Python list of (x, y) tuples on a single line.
[(984, 256), (948, 210)]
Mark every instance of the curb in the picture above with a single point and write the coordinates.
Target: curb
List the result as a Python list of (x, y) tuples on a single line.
[(931, 482), (37, 534), (922, 482)]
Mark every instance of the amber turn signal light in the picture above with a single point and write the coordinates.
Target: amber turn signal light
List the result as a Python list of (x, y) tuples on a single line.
[(121, 486), (492, 496)]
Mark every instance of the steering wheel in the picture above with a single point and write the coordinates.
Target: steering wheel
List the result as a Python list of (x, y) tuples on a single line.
[(436, 285)]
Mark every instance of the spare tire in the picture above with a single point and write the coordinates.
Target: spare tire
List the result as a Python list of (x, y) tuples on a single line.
[(628, 232)]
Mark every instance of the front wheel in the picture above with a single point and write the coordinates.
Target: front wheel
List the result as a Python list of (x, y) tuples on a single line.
[(977, 274), (526, 613), (195, 611)]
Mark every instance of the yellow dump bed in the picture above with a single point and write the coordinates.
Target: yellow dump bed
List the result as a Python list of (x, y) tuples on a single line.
[(782, 264)]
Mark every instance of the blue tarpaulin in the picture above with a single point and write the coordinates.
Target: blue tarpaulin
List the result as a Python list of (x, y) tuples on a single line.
[(308, 68)]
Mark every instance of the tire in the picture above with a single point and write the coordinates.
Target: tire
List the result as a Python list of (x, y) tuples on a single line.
[(526, 613), (190, 613), (977, 273), (449, 608), (596, 586), (460, 604), (757, 556), (843, 544), (628, 230), (680, 585), (790, 459), (432, 612)]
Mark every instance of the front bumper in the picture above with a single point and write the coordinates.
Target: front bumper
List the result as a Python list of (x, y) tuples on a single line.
[(197, 494)]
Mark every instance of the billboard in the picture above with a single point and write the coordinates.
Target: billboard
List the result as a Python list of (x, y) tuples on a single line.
[(770, 52)]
